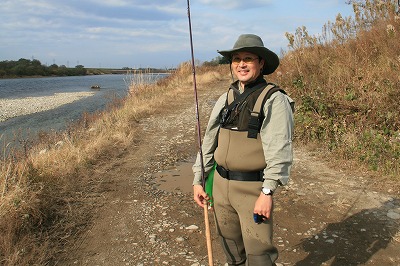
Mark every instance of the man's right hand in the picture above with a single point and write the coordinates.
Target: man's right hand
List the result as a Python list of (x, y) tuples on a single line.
[(199, 195)]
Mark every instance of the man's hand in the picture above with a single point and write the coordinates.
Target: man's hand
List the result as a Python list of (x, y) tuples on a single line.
[(263, 205), (199, 195)]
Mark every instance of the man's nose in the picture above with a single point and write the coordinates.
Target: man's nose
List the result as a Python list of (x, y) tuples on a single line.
[(242, 63)]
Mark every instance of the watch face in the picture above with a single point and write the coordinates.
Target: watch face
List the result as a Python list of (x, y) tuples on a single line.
[(267, 191)]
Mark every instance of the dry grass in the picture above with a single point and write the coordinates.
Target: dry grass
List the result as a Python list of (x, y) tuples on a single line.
[(346, 84), (396, 237)]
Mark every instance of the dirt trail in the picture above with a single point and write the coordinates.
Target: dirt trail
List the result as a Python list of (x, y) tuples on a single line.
[(146, 215)]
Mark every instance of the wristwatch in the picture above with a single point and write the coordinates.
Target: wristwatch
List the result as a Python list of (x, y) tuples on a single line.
[(267, 191)]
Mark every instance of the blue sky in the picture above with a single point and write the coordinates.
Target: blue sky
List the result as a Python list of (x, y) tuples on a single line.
[(149, 33)]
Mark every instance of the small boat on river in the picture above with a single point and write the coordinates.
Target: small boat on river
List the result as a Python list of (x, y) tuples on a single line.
[(95, 87)]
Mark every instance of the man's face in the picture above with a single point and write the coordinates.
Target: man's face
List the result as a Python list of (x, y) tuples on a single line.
[(246, 66)]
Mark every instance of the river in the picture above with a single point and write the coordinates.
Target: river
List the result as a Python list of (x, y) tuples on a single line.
[(18, 128)]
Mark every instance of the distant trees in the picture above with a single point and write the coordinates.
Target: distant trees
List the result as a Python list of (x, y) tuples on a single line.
[(219, 60), (25, 67)]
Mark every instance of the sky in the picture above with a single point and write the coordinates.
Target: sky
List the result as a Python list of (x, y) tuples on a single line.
[(150, 33)]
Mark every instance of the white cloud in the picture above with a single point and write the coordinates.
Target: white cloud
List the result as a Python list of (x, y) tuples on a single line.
[(113, 3), (235, 4)]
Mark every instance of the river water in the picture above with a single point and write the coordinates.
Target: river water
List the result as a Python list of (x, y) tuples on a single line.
[(27, 126)]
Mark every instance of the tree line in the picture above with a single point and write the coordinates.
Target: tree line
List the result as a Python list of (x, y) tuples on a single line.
[(25, 68)]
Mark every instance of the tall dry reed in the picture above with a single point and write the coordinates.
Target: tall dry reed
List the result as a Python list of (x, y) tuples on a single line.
[(346, 82)]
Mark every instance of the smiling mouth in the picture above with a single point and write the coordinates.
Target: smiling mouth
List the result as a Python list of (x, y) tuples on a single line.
[(243, 71)]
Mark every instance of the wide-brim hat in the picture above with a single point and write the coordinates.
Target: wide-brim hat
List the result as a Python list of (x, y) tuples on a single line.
[(253, 44)]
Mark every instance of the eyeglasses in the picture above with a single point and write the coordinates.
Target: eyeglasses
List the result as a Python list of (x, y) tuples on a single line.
[(248, 60)]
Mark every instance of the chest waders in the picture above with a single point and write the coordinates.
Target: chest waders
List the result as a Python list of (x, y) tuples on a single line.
[(240, 159), (239, 154)]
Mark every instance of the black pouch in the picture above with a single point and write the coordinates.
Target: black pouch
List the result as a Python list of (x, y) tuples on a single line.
[(224, 117)]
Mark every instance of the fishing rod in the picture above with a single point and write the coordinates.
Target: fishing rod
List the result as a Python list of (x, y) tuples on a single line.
[(203, 179)]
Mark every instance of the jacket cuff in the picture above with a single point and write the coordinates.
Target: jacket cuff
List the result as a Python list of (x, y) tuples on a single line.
[(271, 184), (197, 180)]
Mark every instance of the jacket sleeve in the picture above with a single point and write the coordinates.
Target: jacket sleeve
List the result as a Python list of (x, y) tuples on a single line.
[(276, 135), (210, 142)]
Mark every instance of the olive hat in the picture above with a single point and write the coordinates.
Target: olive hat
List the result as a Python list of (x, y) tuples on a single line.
[(253, 44)]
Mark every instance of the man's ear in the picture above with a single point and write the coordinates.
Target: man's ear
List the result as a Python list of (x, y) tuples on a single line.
[(262, 63)]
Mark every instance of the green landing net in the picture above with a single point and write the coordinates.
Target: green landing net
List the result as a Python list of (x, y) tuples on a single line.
[(209, 184)]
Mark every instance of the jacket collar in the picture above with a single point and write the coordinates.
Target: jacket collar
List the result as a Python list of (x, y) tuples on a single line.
[(235, 85)]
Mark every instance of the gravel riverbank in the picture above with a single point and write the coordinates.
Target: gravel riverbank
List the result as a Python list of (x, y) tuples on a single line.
[(10, 108)]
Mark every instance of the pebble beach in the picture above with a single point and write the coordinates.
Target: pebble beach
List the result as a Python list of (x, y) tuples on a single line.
[(10, 108)]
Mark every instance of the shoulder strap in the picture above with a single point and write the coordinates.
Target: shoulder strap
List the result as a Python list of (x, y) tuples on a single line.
[(231, 96), (255, 115)]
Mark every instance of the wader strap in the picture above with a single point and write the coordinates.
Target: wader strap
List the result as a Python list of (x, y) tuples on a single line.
[(231, 96), (255, 115)]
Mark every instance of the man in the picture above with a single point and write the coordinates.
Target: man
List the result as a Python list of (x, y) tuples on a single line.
[(250, 166)]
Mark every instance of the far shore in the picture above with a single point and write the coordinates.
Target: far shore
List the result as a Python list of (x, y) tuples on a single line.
[(98, 72), (10, 108)]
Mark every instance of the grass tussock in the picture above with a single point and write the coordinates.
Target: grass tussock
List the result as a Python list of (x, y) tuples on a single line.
[(346, 83), (44, 187)]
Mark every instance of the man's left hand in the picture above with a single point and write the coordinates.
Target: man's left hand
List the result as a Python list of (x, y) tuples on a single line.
[(263, 205)]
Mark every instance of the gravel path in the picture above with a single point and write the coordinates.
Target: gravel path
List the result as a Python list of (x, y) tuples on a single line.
[(142, 217), (10, 108)]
